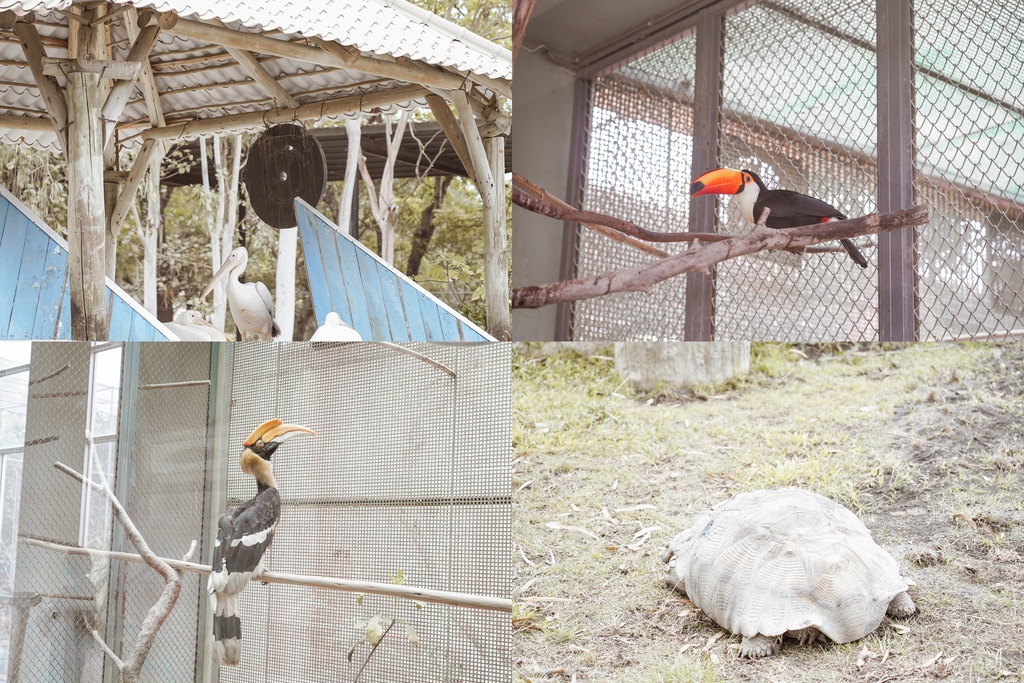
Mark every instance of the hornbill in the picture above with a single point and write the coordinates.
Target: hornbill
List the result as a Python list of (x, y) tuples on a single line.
[(788, 209), (243, 536)]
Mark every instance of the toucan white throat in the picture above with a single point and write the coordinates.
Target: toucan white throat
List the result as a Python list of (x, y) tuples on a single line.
[(746, 198)]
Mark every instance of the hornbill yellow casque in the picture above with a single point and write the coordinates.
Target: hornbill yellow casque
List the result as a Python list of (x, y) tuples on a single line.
[(788, 209), (243, 536)]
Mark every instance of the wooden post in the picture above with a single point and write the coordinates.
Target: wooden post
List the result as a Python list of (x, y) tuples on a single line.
[(87, 217), (499, 314)]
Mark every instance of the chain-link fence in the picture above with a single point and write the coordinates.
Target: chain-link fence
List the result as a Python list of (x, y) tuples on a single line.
[(407, 480), (799, 107), (136, 417)]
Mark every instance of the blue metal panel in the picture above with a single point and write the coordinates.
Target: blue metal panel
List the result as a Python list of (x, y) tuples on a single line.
[(449, 326), (64, 321), (411, 306), (431, 314), (382, 303), (51, 292), (392, 303), (12, 246), (30, 276), (4, 206), (374, 297), (354, 288), (120, 318), (318, 281)]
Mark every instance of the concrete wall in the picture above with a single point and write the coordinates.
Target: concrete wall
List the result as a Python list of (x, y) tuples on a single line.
[(542, 125), (680, 364)]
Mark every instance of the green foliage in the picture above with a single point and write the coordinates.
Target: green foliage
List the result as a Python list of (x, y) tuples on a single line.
[(40, 180), (491, 19)]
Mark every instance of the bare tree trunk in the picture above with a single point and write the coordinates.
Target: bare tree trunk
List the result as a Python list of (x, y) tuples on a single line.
[(284, 307), (425, 230), (354, 131), (213, 230), (383, 206)]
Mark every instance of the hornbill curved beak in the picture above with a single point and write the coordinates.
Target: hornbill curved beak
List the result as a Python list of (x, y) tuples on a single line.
[(265, 439), (718, 181)]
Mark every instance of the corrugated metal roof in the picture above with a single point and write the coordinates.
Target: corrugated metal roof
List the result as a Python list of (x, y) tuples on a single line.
[(199, 80)]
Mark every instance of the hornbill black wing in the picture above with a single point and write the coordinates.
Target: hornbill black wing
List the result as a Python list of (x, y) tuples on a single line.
[(245, 534), (792, 209)]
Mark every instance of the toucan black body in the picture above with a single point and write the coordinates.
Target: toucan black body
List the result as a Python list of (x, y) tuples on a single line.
[(788, 209)]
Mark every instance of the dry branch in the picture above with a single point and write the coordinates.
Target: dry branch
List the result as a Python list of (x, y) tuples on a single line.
[(521, 10), (388, 589), (703, 257), (158, 613)]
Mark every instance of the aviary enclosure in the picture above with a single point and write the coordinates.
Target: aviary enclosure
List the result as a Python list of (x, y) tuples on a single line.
[(406, 484), (815, 97)]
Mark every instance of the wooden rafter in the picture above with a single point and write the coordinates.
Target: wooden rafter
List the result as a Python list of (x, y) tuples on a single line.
[(132, 183), (56, 106), (147, 83), (446, 119), (142, 45), (305, 112), (259, 74)]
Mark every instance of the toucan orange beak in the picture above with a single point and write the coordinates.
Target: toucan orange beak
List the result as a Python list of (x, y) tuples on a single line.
[(719, 181), (275, 430)]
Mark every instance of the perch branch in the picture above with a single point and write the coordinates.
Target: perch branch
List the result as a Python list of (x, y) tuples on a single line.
[(159, 612), (370, 588), (703, 257), (521, 10), (110, 653), (535, 198)]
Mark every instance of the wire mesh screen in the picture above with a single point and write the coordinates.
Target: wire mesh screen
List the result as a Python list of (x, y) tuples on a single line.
[(639, 156), (794, 114), (799, 108), (136, 417), (407, 480), (969, 98)]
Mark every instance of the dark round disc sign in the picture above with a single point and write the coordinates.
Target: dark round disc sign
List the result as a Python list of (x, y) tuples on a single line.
[(285, 162)]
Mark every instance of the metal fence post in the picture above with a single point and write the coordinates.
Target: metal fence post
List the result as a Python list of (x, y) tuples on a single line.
[(577, 171), (897, 251), (707, 114)]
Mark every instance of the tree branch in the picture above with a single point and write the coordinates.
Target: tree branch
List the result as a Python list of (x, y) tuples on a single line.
[(159, 612), (704, 257)]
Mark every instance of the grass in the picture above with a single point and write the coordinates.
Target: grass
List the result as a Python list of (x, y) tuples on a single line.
[(923, 442)]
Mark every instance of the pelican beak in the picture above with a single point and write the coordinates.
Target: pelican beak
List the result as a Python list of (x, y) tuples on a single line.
[(202, 321), (218, 275), (719, 181), (275, 432)]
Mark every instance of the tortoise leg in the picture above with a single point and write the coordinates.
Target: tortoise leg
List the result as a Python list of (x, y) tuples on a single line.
[(901, 606), (759, 646), (806, 636)]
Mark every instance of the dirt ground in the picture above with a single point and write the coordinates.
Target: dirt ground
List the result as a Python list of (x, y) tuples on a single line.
[(924, 443)]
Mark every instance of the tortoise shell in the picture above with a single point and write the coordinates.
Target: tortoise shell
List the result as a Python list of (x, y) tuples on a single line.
[(768, 563)]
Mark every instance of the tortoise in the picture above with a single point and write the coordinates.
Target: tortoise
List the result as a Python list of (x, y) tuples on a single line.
[(768, 564)]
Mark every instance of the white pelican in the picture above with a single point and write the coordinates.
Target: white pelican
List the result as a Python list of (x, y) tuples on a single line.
[(191, 326), (334, 329), (250, 302)]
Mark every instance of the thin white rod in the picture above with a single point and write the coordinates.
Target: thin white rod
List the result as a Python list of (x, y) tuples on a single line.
[(405, 592)]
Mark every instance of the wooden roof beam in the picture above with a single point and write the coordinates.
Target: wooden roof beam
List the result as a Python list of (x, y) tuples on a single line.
[(450, 125), (41, 124), (326, 52), (305, 112), (53, 98)]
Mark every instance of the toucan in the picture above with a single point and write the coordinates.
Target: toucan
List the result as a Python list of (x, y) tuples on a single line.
[(788, 209), (243, 536)]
